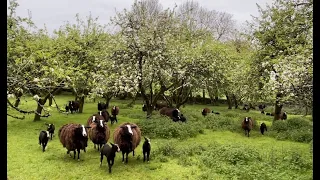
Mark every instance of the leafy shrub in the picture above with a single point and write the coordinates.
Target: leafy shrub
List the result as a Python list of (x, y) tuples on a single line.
[(279, 126), (164, 127)]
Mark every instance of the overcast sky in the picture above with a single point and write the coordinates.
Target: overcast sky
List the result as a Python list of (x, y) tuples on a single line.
[(55, 13)]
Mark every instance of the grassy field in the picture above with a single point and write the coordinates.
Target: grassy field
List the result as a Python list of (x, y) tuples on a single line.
[(213, 147)]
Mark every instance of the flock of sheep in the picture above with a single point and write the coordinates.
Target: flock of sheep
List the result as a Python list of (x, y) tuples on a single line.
[(126, 137)]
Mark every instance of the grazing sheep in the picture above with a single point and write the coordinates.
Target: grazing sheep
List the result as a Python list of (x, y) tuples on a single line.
[(43, 139), (110, 153), (263, 127), (262, 107), (51, 129), (247, 125), (115, 112), (146, 148), (74, 137), (102, 106), (99, 133), (128, 137)]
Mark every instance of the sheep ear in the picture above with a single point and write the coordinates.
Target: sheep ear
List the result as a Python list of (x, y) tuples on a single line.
[(111, 144), (145, 138), (133, 126), (120, 126)]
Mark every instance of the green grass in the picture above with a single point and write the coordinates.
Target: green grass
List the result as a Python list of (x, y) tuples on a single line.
[(217, 148)]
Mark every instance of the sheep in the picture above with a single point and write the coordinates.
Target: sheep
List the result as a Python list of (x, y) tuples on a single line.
[(93, 118), (51, 129), (74, 137), (247, 125), (110, 153), (283, 116), (263, 127), (73, 106), (43, 139), (99, 133), (205, 111), (270, 114), (144, 107), (146, 148), (115, 112), (246, 107), (128, 137), (105, 114), (113, 120), (102, 106), (160, 105), (173, 113)]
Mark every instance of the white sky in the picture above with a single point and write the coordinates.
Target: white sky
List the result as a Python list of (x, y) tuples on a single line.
[(55, 13)]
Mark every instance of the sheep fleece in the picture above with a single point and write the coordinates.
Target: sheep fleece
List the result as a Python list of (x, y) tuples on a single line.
[(67, 136), (136, 138)]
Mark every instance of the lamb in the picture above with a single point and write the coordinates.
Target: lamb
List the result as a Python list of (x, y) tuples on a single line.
[(51, 129), (74, 137), (128, 137), (43, 139), (146, 148), (115, 112), (247, 125), (263, 127), (99, 133), (110, 153)]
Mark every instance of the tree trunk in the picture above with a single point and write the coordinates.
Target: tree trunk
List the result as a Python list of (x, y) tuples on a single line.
[(278, 107), (16, 104), (81, 104), (108, 99), (229, 101), (39, 110), (50, 101), (94, 100), (235, 101), (204, 95)]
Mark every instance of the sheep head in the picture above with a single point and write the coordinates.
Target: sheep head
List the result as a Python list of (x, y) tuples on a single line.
[(115, 147)]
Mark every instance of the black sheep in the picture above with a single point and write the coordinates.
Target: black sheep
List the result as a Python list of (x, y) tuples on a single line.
[(110, 153), (51, 129), (43, 139), (146, 148), (102, 106), (263, 127)]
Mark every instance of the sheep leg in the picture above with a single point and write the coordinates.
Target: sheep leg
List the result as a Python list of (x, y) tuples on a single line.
[(74, 154), (122, 156), (148, 154), (127, 153), (39, 142), (51, 136), (78, 154), (101, 158), (144, 156), (132, 152), (109, 165)]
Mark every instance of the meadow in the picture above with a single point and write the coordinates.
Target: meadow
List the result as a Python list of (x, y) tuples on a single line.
[(212, 147)]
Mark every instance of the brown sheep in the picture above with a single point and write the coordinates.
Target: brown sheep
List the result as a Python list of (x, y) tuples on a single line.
[(247, 125), (94, 117), (128, 137), (114, 112), (160, 105), (99, 133), (173, 113), (73, 137)]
